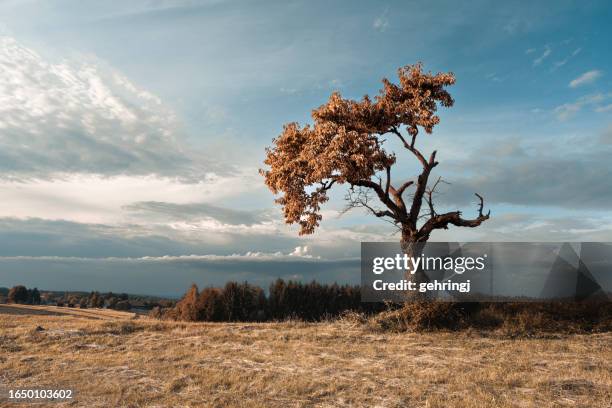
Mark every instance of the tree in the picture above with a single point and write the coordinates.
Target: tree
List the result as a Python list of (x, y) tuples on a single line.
[(187, 307), (83, 303), (123, 305), (95, 300), (35, 296), (210, 305), (18, 294), (73, 300), (345, 146)]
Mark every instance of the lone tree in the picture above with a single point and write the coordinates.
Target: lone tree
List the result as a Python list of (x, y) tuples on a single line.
[(345, 146)]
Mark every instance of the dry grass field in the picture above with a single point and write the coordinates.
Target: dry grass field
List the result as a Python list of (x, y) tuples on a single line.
[(116, 359)]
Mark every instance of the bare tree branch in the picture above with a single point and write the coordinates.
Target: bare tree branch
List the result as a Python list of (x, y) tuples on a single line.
[(397, 212), (361, 199), (404, 186), (454, 218), (429, 193), (326, 185), (481, 205), (429, 198), (410, 147)]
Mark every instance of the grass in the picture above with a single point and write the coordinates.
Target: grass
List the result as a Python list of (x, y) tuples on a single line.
[(129, 361)]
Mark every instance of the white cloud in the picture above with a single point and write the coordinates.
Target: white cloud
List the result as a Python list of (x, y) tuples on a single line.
[(542, 57), (604, 108), (381, 23), (517, 25), (586, 78), (249, 256), (301, 251), (83, 117), (289, 91), (99, 199), (493, 77), (566, 59), (569, 110), (536, 174)]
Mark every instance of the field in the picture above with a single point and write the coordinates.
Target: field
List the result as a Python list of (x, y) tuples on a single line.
[(115, 359)]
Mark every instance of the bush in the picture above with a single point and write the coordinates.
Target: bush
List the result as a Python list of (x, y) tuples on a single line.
[(156, 312), (506, 318), (419, 316)]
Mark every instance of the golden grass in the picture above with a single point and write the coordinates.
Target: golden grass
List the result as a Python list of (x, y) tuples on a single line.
[(138, 362)]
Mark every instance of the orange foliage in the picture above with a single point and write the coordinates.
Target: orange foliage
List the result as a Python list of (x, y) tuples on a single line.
[(345, 145)]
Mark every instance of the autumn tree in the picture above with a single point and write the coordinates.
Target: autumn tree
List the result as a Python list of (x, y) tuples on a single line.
[(187, 307), (210, 305), (345, 145)]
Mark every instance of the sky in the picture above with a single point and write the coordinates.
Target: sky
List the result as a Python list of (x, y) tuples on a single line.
[(131, 133)]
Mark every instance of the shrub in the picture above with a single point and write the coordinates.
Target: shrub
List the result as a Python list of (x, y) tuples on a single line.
[(156, 312), (506, 318), (421, 316)]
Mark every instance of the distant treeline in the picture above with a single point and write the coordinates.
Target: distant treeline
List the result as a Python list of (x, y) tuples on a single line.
[(21, 294), (123, 301), (245, 302)]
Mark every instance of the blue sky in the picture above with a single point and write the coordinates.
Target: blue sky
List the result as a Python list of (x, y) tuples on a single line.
[(131, 134)]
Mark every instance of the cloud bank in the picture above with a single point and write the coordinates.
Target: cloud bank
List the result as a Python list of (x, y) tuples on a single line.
[(68, 117)]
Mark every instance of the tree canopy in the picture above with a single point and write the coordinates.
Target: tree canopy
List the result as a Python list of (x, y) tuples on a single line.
[(344, 145)]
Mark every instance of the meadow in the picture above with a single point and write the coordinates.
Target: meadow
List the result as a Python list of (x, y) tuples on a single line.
[(122, 359)]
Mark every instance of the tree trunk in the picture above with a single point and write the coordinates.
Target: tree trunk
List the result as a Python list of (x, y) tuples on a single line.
[(412, 247)]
